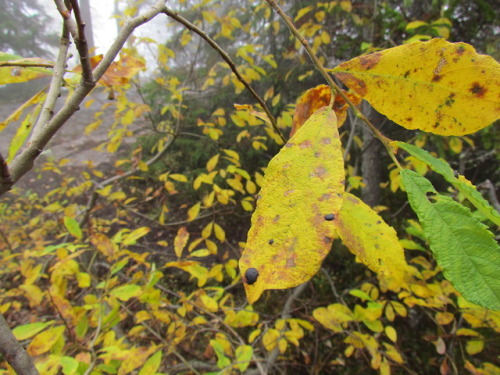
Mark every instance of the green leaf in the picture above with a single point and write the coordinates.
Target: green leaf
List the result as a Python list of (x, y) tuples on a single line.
[(73, 227), (69, 365), (222, 360), (125, 292), (461, 184), (29, 330), (152, 364), (243, 356), (462, 245), (22, 133)]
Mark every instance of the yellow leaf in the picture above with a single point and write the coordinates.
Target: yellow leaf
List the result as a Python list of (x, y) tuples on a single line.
[(374, 242), (282, 345), (207, 231), (132, 237), (134, 358), (194, 211), (178, 177), (430, 86), (455, 145), (474, 346), (103, 244), (219, 232), (334, 317), (444, 318), (270, 339), (391, 333), (253, 335), (293, 228), (16, 74), (212, 162), (180, 241), (209, 303), (45, 340), (415, 25)]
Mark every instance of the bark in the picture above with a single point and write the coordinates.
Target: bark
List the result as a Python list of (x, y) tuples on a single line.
[(371, 162), (13, 352)]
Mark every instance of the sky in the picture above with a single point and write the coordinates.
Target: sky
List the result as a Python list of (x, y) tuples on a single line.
[(104, 25)]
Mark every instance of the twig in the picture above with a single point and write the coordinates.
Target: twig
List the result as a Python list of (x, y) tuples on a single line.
[(285, 314), (13, 352), (66, 16), (335, 89), (231, 64), (26, 64), (55, 85), (81, 44), (351, 135), (490, 190)]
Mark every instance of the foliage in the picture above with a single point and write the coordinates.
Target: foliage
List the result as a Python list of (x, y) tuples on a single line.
[(134, 268)]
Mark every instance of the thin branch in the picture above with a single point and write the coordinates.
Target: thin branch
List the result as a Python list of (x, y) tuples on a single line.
[(13, 352), (231, 64), (81, 44), (285, 314), (66, 16), (55, 85), (333, 86), (490, 190), (26, 64)]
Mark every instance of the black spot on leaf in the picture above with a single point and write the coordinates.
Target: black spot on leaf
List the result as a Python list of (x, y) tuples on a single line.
[(329, 217), (270, 242), (251, 276)]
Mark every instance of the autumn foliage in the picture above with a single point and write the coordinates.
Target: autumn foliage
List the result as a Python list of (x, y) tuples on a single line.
[(152, 265)]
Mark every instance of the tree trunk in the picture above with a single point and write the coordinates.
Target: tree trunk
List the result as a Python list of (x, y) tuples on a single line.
[(371, 167)]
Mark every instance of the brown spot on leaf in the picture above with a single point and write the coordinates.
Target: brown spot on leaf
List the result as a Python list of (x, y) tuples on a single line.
[(325, 197), (320, 171), (460, 50), (436, 78), (289, 192), (478, 90), (276, 218), (326, 141), (370, 61), (356, 84), (409, 119), (305, 144), (290, 261)]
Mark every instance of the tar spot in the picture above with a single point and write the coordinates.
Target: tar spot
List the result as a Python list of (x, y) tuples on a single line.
[(251, 276), (477, 90), (329, 217), (436, 78), (270, 242)]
